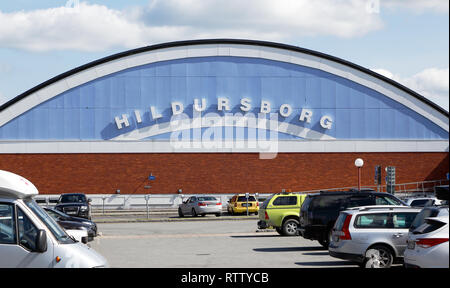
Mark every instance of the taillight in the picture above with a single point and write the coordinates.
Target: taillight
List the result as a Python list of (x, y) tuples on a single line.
[(266, 216), (257, 204), (201, 204), (345, 232), (220, 203), (235, 204), (430, 242)]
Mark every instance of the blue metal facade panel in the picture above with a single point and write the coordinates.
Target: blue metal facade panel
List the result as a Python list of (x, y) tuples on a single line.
[(87, 112)]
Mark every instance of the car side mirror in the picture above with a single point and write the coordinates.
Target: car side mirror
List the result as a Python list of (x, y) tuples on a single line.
[(89, 200), (41, 241)]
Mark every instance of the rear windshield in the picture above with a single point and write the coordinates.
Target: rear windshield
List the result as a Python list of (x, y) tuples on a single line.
[(206, 199), (244, 199), (420, 218), (340, 221), (306, 203), (429, 226)]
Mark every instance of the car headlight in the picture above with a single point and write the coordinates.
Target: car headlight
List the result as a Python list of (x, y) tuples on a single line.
[(83, 208)]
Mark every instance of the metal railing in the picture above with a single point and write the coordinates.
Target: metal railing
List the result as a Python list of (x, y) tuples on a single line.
[(413, 188), (101, 203)]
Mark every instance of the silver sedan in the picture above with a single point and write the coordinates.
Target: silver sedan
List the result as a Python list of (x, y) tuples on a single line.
[(200, 205)]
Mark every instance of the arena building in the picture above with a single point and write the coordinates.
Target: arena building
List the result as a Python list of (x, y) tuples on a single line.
[(219, 116)]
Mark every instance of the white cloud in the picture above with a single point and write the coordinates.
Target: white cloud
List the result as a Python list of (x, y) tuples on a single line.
[(418, 6), (432, 83), (89, 27)]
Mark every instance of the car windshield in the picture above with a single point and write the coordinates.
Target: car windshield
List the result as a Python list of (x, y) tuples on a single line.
[(206, 199), (72, 199), (244, 199), (59, 233)]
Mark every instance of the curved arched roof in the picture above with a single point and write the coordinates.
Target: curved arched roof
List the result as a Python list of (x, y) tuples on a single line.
[(283, 53)]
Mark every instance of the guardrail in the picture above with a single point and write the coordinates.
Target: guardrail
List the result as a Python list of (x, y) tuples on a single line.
[(411, 188), (103, 202)]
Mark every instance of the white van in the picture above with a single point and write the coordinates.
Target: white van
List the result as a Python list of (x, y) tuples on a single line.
[(29, 237)]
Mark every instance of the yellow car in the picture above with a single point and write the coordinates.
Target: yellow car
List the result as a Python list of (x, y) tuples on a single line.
[(238, 204)]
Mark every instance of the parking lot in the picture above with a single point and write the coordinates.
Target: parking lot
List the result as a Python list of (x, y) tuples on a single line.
[(212, 244)]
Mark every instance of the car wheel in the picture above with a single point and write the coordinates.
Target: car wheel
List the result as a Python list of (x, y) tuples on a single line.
[(194, 213), (290, 227), (384, 259), (218, 214), (203, 215), (325, 242), (180, 213), (279, 230)]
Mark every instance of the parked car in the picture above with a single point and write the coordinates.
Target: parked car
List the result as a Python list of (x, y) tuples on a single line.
[(423, 201), (200, 205), (74, 204), (238, 204), (428, 212), (73, 223), (373, 236), (78, 235), (320, 210), (428, 244), (29, 237), (442, 193), (281, 211)]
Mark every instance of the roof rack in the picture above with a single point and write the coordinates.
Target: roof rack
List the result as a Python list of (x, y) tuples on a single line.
[(380, 207)]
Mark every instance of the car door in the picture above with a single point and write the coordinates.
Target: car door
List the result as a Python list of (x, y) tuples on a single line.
[(280, 206), (401, 221), (18, 236), (184, 206), (191, 204), (231, 204)]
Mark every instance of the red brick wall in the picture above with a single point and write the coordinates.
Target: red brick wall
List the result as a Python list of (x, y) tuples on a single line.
[(214, 172)]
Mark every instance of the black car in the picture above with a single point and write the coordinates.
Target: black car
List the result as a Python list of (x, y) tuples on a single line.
[(319, 211), (74, 204), (75, 223)]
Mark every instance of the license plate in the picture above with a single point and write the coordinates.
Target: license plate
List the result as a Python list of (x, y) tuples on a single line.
[(411, 244), (72, 213), (245, 205)]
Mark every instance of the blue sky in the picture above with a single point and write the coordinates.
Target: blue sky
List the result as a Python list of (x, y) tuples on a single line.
[(407, 41)]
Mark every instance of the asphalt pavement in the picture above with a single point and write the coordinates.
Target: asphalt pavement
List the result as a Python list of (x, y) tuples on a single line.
[(207, 244)]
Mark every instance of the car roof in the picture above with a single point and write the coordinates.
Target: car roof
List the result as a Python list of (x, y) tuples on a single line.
[(16, 186)]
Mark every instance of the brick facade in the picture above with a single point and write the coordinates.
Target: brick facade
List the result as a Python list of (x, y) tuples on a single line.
[(223, 173)]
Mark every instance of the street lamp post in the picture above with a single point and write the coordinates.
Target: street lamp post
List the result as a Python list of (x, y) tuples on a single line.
[(359, 163)]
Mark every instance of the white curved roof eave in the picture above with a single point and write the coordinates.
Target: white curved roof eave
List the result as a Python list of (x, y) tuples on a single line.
[(223, 49)]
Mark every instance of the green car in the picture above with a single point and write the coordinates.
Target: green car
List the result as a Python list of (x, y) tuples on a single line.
[(281, 211)]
